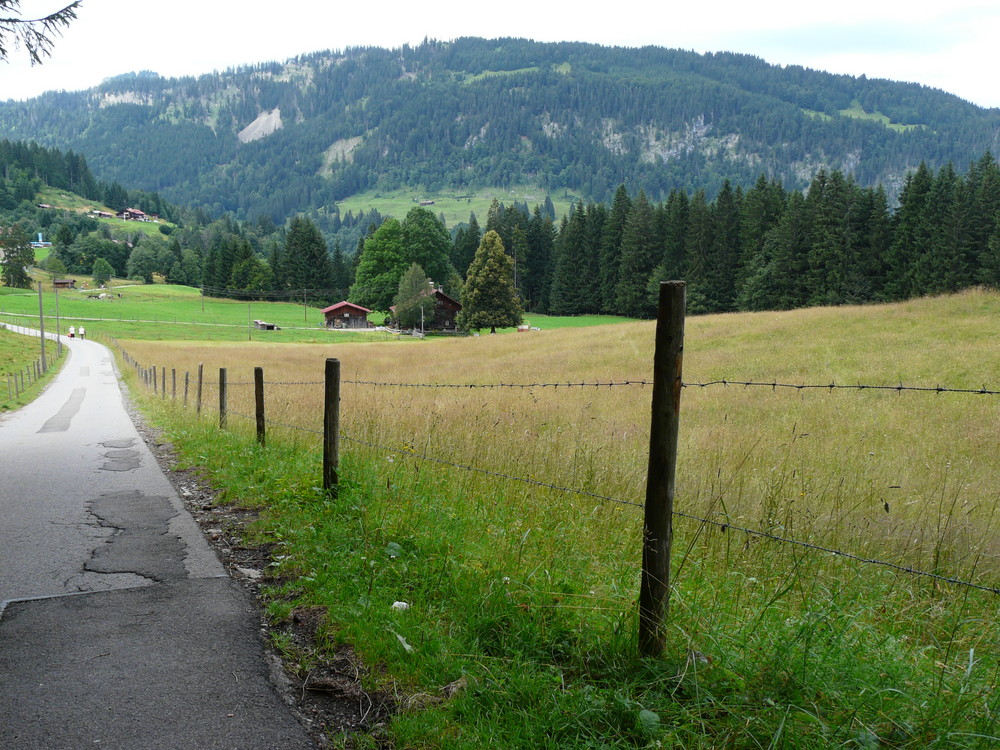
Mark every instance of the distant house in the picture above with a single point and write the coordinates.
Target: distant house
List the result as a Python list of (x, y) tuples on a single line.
[(346, 315), (445, 310), (133, 214), (64, 283)]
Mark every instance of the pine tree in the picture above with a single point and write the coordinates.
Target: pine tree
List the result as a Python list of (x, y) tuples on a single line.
[(639, 257), (489, 299), (610, 250), (465, 245), (541, 241), (911, 233)]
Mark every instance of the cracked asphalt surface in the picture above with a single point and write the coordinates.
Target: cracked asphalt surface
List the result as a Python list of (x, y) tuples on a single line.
[(118, 625)]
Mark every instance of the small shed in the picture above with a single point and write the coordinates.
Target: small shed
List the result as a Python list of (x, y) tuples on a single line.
[(64, 283), (346, 315)]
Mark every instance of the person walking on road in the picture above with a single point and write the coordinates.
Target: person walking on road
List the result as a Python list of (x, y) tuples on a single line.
[(83, 332), (72, 332)]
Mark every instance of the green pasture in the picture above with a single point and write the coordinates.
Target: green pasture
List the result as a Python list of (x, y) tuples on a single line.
[(455, 206), (857, 111), (167, 312), (66, 201)]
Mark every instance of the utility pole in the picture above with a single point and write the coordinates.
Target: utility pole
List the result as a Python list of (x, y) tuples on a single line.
[(41, 325)]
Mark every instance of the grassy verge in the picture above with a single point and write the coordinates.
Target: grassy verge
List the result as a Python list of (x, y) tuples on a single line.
[(519, 630), (18, 357)]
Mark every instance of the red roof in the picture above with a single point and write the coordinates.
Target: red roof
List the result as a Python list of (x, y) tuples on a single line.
[(344, 306)]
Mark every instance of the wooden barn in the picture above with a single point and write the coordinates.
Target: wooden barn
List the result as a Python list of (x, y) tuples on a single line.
[(346, 315)]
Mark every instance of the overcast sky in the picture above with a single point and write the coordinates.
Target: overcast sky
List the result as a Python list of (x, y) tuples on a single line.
[(946, 44)]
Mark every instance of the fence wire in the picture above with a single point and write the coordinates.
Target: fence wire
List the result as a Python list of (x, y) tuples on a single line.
[(723, 526)]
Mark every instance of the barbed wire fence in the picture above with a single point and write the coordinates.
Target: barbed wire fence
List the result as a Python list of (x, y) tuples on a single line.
[(158, 382), (149, 376)]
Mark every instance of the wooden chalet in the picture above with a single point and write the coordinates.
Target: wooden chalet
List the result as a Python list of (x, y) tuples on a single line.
[(346, 315), (64, 283), (133, 214)]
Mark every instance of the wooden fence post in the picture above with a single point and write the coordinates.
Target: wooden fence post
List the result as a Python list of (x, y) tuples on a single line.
[(222, 398), (331, 427), (173, 383), (201, 372), (187, 382), (163, 382), (258, 393), (154, 379), (654, 591)]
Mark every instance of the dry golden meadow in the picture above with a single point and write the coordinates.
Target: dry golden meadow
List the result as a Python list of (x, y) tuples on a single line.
[(526, 594), (897, 476)]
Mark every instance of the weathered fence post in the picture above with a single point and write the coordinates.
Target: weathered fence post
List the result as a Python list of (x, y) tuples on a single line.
[(187, 382), (654, 591), (154, 379), (173, 383), (163, 381), (201, 372), (331, 427), (258, 393), (222, 398)]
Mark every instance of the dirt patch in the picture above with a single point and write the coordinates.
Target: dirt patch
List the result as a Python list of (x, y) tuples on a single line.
[(320, 684)]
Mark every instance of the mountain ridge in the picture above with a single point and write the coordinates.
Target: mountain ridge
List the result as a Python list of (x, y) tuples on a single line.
[(478, 112)]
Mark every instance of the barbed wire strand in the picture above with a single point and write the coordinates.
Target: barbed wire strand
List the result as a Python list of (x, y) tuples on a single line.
[(721, 525)]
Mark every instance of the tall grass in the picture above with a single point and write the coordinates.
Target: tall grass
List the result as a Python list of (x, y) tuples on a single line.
[(526, 595)]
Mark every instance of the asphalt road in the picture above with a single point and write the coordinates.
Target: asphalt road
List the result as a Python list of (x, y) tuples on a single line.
[(118, 625)]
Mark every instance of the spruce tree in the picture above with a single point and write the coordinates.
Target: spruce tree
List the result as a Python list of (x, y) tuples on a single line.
[(610, 250), (639, 257), (489, 299)]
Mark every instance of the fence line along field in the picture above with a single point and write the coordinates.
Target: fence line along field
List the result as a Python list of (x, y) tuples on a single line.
[(908, 478)]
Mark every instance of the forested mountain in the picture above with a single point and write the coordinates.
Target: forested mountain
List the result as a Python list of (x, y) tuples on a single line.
[(278, 139)]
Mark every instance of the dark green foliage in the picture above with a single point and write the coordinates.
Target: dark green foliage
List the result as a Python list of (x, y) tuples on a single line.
[(306, 263), (465, 245), (489, 299), (640, 251), (18, 255), (426, 243), (380, 268), (413, 303), (102, 271), (611, 241)]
